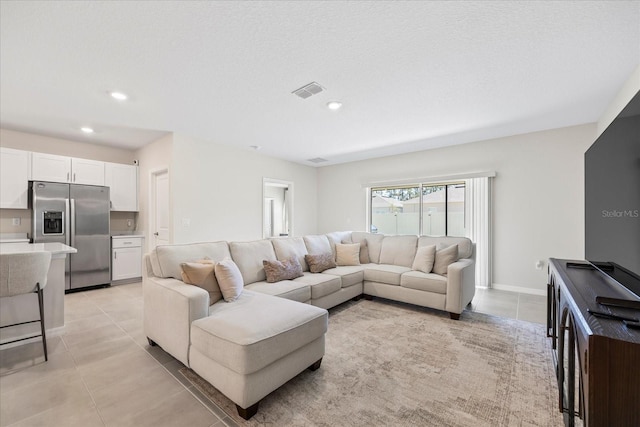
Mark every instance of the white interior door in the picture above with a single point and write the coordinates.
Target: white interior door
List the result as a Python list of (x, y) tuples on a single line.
[(159, 212)]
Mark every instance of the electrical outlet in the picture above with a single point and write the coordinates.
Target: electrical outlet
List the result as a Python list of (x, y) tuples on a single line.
[(15, 221), (186, 222), (129, 223), (539, 264)]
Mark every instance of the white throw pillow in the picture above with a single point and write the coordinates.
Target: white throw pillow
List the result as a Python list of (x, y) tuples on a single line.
[(425, 257), (348, 254), (444, 257), (229, 279)]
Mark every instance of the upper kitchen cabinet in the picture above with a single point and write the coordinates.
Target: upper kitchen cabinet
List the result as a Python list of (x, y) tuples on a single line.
[(15, 173), (50, 167), (123, 183), (89, 172)]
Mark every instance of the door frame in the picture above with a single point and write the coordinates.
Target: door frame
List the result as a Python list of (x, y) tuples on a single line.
[(284, 184), (153, 174)]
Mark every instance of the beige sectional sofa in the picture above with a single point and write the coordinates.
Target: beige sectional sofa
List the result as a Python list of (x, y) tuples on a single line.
[(250, 347)]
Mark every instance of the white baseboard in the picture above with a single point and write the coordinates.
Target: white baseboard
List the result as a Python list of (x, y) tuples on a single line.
[(522, 290)]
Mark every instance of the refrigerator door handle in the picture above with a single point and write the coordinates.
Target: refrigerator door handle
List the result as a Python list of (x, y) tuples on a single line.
[(72, 214), (67, 226)]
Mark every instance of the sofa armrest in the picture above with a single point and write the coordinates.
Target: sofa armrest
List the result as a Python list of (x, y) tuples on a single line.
[(169, 308), (461, 285)]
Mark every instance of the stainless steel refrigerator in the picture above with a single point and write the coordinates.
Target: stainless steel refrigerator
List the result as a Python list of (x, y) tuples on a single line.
[(76, 215)]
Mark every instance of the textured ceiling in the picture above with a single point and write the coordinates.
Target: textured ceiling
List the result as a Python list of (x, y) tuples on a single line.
[(411, 75)]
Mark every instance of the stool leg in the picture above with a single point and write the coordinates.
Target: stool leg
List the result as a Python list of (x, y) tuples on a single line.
[(44, 336)]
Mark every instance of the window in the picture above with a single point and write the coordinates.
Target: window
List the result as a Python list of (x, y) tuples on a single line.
[(424, 209)]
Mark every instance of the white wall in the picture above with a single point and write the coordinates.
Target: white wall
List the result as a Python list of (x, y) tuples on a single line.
[(152, 157), (628, 90), (64, 147), (218, 190), (538, 206)]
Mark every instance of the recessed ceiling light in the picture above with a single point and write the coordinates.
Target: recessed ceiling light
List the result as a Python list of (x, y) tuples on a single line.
[(86, 129), (334, 105), (119, 96)]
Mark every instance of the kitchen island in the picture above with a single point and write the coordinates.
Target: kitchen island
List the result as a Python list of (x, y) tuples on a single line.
[(22, 308)]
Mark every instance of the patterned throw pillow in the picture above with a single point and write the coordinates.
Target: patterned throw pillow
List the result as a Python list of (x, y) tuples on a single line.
[(287, 269), (229, 279), (320, 262), (201, 274)]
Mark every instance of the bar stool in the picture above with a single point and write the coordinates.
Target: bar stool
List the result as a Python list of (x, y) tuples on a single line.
[(25, 273)]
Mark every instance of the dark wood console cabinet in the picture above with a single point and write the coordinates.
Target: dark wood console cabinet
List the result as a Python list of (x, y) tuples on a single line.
[(597, 359)]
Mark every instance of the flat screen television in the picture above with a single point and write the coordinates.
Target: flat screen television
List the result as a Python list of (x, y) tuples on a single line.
[(612, 199)]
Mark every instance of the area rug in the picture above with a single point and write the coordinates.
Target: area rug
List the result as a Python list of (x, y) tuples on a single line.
[(393, 364)]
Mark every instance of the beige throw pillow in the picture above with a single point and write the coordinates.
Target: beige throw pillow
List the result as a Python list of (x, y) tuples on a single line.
[(229, 279), (444, 257), (320, 262), (424, 259), (348, 254), (364, 251), (287, 269), (201, 273)]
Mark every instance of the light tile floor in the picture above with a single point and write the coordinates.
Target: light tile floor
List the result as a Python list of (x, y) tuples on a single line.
[(102, 372)]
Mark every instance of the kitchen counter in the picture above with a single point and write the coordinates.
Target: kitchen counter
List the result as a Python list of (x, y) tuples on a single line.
[(126, 235), (22, 308), (58, 250)]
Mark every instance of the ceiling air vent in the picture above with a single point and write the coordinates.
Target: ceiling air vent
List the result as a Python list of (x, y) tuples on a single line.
[(317, 160), (308, 90)]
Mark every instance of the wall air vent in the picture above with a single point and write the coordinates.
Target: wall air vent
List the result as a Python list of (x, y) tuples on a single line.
[(308, 90), (317, 160)]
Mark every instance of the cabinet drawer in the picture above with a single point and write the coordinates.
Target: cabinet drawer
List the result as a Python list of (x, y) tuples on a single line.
[(127, 243)]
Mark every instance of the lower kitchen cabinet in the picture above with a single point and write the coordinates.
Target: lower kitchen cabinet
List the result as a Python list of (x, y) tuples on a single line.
[(126, 258)]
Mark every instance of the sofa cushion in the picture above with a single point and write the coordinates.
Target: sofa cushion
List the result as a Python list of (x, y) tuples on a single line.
[(289, 289), (256, 330), (320, 262), (350, 275), (249, 256), (317, 244), (347, 253), (425, 257), (444, 257), (202, 274), (385, 273), (292, 246), (287, 269), (229, 279), (465, 246), (374, 243), (429, 282), (399, 250), (166, 259), (321, 284)]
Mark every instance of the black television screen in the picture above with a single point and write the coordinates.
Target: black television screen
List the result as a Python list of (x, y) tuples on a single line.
[(612, 199)]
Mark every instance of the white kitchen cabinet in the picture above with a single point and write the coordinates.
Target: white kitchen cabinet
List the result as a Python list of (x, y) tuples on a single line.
[(89, 172), (122, 181), (50, 167), (15, 173), (126, 257), (54, 168)]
